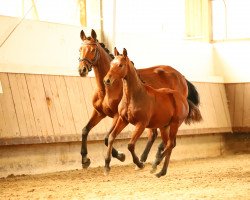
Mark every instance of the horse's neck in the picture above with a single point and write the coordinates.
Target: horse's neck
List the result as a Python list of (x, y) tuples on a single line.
[(102, 69), (132, 85)]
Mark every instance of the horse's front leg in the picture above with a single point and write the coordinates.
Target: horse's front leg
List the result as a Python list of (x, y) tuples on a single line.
[(120, 125), (152, 135), (139, 128), (95, 119), (119, 155)]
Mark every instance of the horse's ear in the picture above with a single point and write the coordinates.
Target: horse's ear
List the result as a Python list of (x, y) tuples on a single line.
[(124, 53), (82, 35), (93, 34), (116, 52)]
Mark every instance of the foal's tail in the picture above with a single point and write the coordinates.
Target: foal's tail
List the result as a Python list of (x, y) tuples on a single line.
[(194, 114)]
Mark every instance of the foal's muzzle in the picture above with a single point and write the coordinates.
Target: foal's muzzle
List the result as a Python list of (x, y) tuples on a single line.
[(107, 81)]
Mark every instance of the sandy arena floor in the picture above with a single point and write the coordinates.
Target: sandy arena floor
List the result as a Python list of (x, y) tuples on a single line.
[(224, 178)]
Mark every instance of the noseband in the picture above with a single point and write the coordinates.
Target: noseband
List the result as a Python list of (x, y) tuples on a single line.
[(89, 63)]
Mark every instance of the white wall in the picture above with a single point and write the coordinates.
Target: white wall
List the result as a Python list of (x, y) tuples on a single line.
[(232, 60), (49, 48), (193, 59), (39, 47)]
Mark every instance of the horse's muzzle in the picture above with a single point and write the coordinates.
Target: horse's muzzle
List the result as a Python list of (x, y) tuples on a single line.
[(83, 72)]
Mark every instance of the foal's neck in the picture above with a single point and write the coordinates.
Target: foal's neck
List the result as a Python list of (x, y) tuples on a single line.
[(102, 68), (132, 84)]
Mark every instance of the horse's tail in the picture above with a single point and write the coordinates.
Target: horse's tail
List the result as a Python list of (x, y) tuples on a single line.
[(194, 114), (193, 98), (193, 94)]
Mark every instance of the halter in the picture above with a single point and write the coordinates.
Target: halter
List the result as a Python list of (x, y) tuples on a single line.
[(90, 63)]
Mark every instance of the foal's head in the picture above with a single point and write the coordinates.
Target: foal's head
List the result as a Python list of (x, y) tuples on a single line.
[(118, 67), (89, 53)]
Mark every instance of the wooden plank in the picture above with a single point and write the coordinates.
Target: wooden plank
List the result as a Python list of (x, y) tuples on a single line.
[(3, 128), (82, 100), (246, 107), (77, 105), (230, 93), (51, 101), (39, 104), (225, 104), (27, 106), (14, 79), (218, 105), (239, 105), (57, 108), (11, 127), (88, 92), (65, 106), (204, 92)]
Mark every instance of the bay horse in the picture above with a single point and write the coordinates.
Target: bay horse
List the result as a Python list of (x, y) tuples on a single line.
[(105, 101), (145, 107)]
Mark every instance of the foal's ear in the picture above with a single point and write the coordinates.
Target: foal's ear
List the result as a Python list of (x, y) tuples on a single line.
[(116, 52), (124, 53), (93, 34), (82, 35)]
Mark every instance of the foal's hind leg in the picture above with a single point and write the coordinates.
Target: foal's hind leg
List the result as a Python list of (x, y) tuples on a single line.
[(115, 153), (151, 138), (139, 128), (95, 119), (170, 144)]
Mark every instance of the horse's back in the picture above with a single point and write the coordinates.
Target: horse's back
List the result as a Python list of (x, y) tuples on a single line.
[(163, 76)]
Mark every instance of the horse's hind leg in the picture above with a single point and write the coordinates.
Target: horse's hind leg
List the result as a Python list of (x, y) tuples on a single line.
[(139, 128), (151, 138), (115, 153), (95, 119)]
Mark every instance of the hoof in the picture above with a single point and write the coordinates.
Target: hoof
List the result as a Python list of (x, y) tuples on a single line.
[(106, 171), (121, 157), (153, 170), (143, 158), (141, 166), (85, 163), (158, 175)]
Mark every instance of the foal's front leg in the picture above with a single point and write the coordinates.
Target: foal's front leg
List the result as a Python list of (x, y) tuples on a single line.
[(120, 125), (120, 156), (139, 128)]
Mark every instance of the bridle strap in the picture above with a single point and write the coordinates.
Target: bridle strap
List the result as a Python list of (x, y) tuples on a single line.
[(90, 63)]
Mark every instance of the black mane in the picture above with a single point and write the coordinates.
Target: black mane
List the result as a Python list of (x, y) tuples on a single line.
[(108, 52)]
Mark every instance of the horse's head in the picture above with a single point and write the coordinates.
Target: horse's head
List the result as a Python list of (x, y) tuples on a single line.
[(118, 67), (89, 53)]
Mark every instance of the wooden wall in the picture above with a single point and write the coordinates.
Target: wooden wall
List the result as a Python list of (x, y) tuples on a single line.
[(238, 95), (50, 108)]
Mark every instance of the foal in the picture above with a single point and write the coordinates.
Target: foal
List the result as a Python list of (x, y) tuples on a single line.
[(145, 107)]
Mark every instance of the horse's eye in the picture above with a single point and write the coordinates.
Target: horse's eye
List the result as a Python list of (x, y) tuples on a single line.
[(120, 65)]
